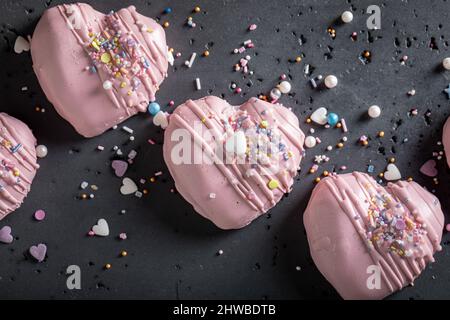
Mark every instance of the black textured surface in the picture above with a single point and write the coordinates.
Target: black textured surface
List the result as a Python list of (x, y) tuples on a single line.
[(172, 250)]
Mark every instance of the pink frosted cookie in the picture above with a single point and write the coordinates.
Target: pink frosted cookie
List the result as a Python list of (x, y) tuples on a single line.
[(98, 70), (446, 140), (232, 163), (370, 241), (18, 163)]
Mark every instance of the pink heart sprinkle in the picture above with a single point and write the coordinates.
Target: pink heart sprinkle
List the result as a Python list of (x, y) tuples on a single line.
[(5, 235), (39, 252), (120, 167), (39, 215), (429, 169)]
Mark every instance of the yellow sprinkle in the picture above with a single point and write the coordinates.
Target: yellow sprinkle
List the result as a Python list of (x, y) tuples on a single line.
[(166, 24), (150, 30), (197, 9), (308, 120), (273, 184), (381, 134), (108, 266), (204, 120), (152, 180), (95, 46), (123, 85), (124, 253), (298, 59), (317, 180), (392, 160), (206, 53), (106, 58), (130, 93), (264, 124)]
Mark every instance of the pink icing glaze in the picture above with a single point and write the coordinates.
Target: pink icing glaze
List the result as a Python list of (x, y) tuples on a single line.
[(446, 140), (241, 190), (64, 53), (345, 237), (18, 163)]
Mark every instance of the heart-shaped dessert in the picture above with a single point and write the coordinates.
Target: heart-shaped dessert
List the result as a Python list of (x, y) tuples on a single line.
[(98, 70), (233, 163), (18, 163), (370, 241), (446, 140)]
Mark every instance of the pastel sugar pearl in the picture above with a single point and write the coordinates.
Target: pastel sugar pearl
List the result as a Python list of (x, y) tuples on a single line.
[(331, 82), (310, 142), (275, 94), (446, 63), (374, 112), (41, 151), (285, 87), (107, 85), (347, 17), (332, 119), (154, 108)]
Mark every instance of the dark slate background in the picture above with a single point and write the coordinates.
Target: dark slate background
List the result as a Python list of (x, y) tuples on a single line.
[(172, 250)]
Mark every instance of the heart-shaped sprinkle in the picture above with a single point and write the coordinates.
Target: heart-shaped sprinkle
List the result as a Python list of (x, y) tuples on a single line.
[(5, 235), (392, 173), (161, 120), (101, 229), (128, 187), (21, 45), (429, 168), (39, 252), (320, 116), (39, 215), (120, 167)]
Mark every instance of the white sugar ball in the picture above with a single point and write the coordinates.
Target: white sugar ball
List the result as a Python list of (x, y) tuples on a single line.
[(275, 94), (310, 142), (107, 85), (374, 112), (41, 151), (347, 17), (331, 82), (446, 63), (285, 87)]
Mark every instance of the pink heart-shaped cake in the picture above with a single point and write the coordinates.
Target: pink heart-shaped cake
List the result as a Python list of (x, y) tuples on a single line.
[(446, 140), (18, 163), (233, 163), (370, 241), (98, 70)]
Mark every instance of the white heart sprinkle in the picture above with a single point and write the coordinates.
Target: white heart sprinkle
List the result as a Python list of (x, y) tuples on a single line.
[(128, 187), (392, 173), (21, 45), (320, 116), (101, 229), (161, 120)]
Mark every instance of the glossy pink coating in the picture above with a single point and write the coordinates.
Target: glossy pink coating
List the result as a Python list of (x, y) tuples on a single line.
[(98, 70), (233, 194), (356, 228), (18, 163)]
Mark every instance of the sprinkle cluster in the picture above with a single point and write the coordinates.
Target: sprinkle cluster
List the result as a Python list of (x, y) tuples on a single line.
[(392, 227)]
